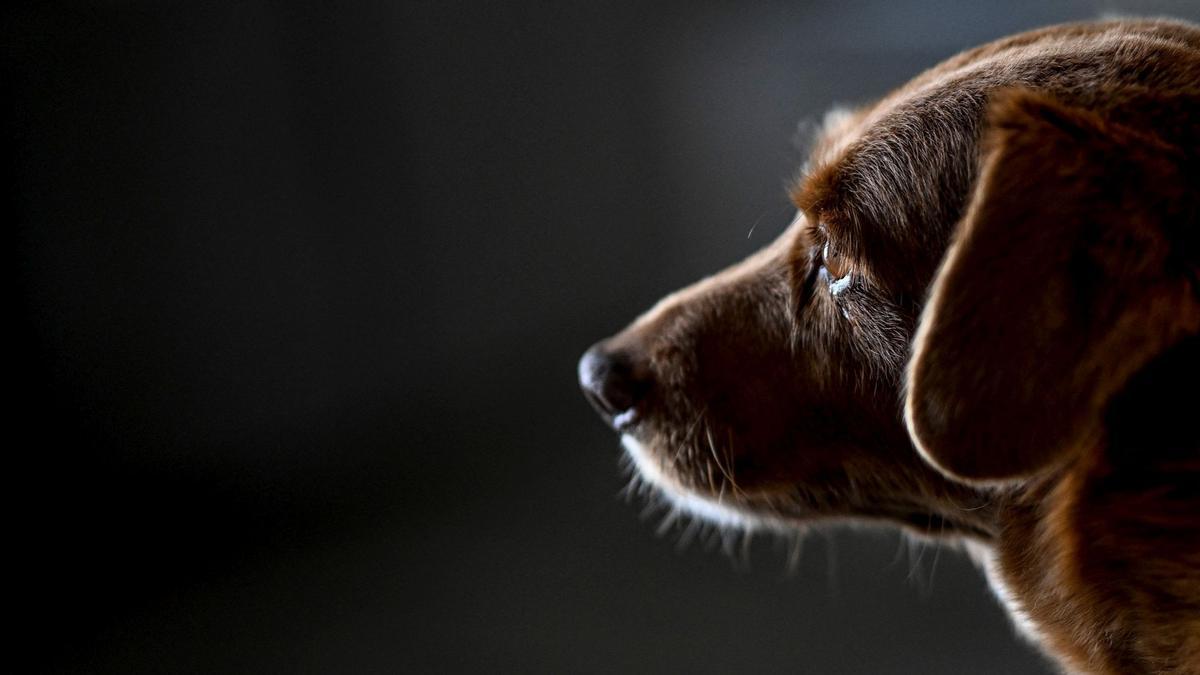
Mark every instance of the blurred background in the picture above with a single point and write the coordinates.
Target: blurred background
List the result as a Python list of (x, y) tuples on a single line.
[(300, 292)]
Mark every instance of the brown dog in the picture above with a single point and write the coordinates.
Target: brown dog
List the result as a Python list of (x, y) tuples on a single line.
[(984, 324)]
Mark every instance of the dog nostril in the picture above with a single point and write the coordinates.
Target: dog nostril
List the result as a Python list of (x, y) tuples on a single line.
[(612, 380)]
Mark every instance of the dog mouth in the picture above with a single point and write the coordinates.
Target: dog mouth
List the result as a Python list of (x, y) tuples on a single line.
[(619, 412), (720, 509), (621, 420), (798, 508), (624, 421)]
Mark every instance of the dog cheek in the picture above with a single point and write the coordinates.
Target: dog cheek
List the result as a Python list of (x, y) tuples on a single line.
[(858, 338)]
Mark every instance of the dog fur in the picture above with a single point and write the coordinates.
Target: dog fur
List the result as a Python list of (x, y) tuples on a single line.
[(983, 325)]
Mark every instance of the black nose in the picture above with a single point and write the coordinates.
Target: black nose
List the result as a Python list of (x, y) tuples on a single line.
[(613, 381)]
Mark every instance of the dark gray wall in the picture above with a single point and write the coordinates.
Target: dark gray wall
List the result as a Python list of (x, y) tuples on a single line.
[(300, 291)]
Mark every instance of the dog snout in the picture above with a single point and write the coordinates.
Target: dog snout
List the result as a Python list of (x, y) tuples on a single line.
[(614, 380)]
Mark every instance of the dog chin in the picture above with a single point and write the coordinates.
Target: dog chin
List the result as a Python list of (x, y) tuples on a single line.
[(717, 511)]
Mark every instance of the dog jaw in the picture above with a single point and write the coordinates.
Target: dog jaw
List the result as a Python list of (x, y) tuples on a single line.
[(718, 511)]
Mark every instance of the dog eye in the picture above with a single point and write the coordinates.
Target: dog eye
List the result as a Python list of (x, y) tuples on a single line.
[(836, 268)]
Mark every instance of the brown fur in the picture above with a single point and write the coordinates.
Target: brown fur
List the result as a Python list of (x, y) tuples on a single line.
[(1011, 360)]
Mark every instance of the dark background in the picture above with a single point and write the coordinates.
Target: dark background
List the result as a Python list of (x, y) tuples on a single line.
[(300, 291)]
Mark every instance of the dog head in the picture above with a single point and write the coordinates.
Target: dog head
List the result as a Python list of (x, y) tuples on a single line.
[(980, 261)]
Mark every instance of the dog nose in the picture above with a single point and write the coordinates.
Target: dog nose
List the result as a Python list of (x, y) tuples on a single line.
[(613, 380)]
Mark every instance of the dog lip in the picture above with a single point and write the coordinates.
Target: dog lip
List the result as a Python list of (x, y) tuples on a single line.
[(620, 420), (598, 403), (625, 420)]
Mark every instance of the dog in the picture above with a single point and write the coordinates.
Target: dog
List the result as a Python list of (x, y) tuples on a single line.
[(982, 326)]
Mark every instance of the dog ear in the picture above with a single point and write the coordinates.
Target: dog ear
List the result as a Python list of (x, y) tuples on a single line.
[(1075, 264)]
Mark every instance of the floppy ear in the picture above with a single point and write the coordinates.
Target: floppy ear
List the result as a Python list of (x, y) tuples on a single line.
[(1075, 264)]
